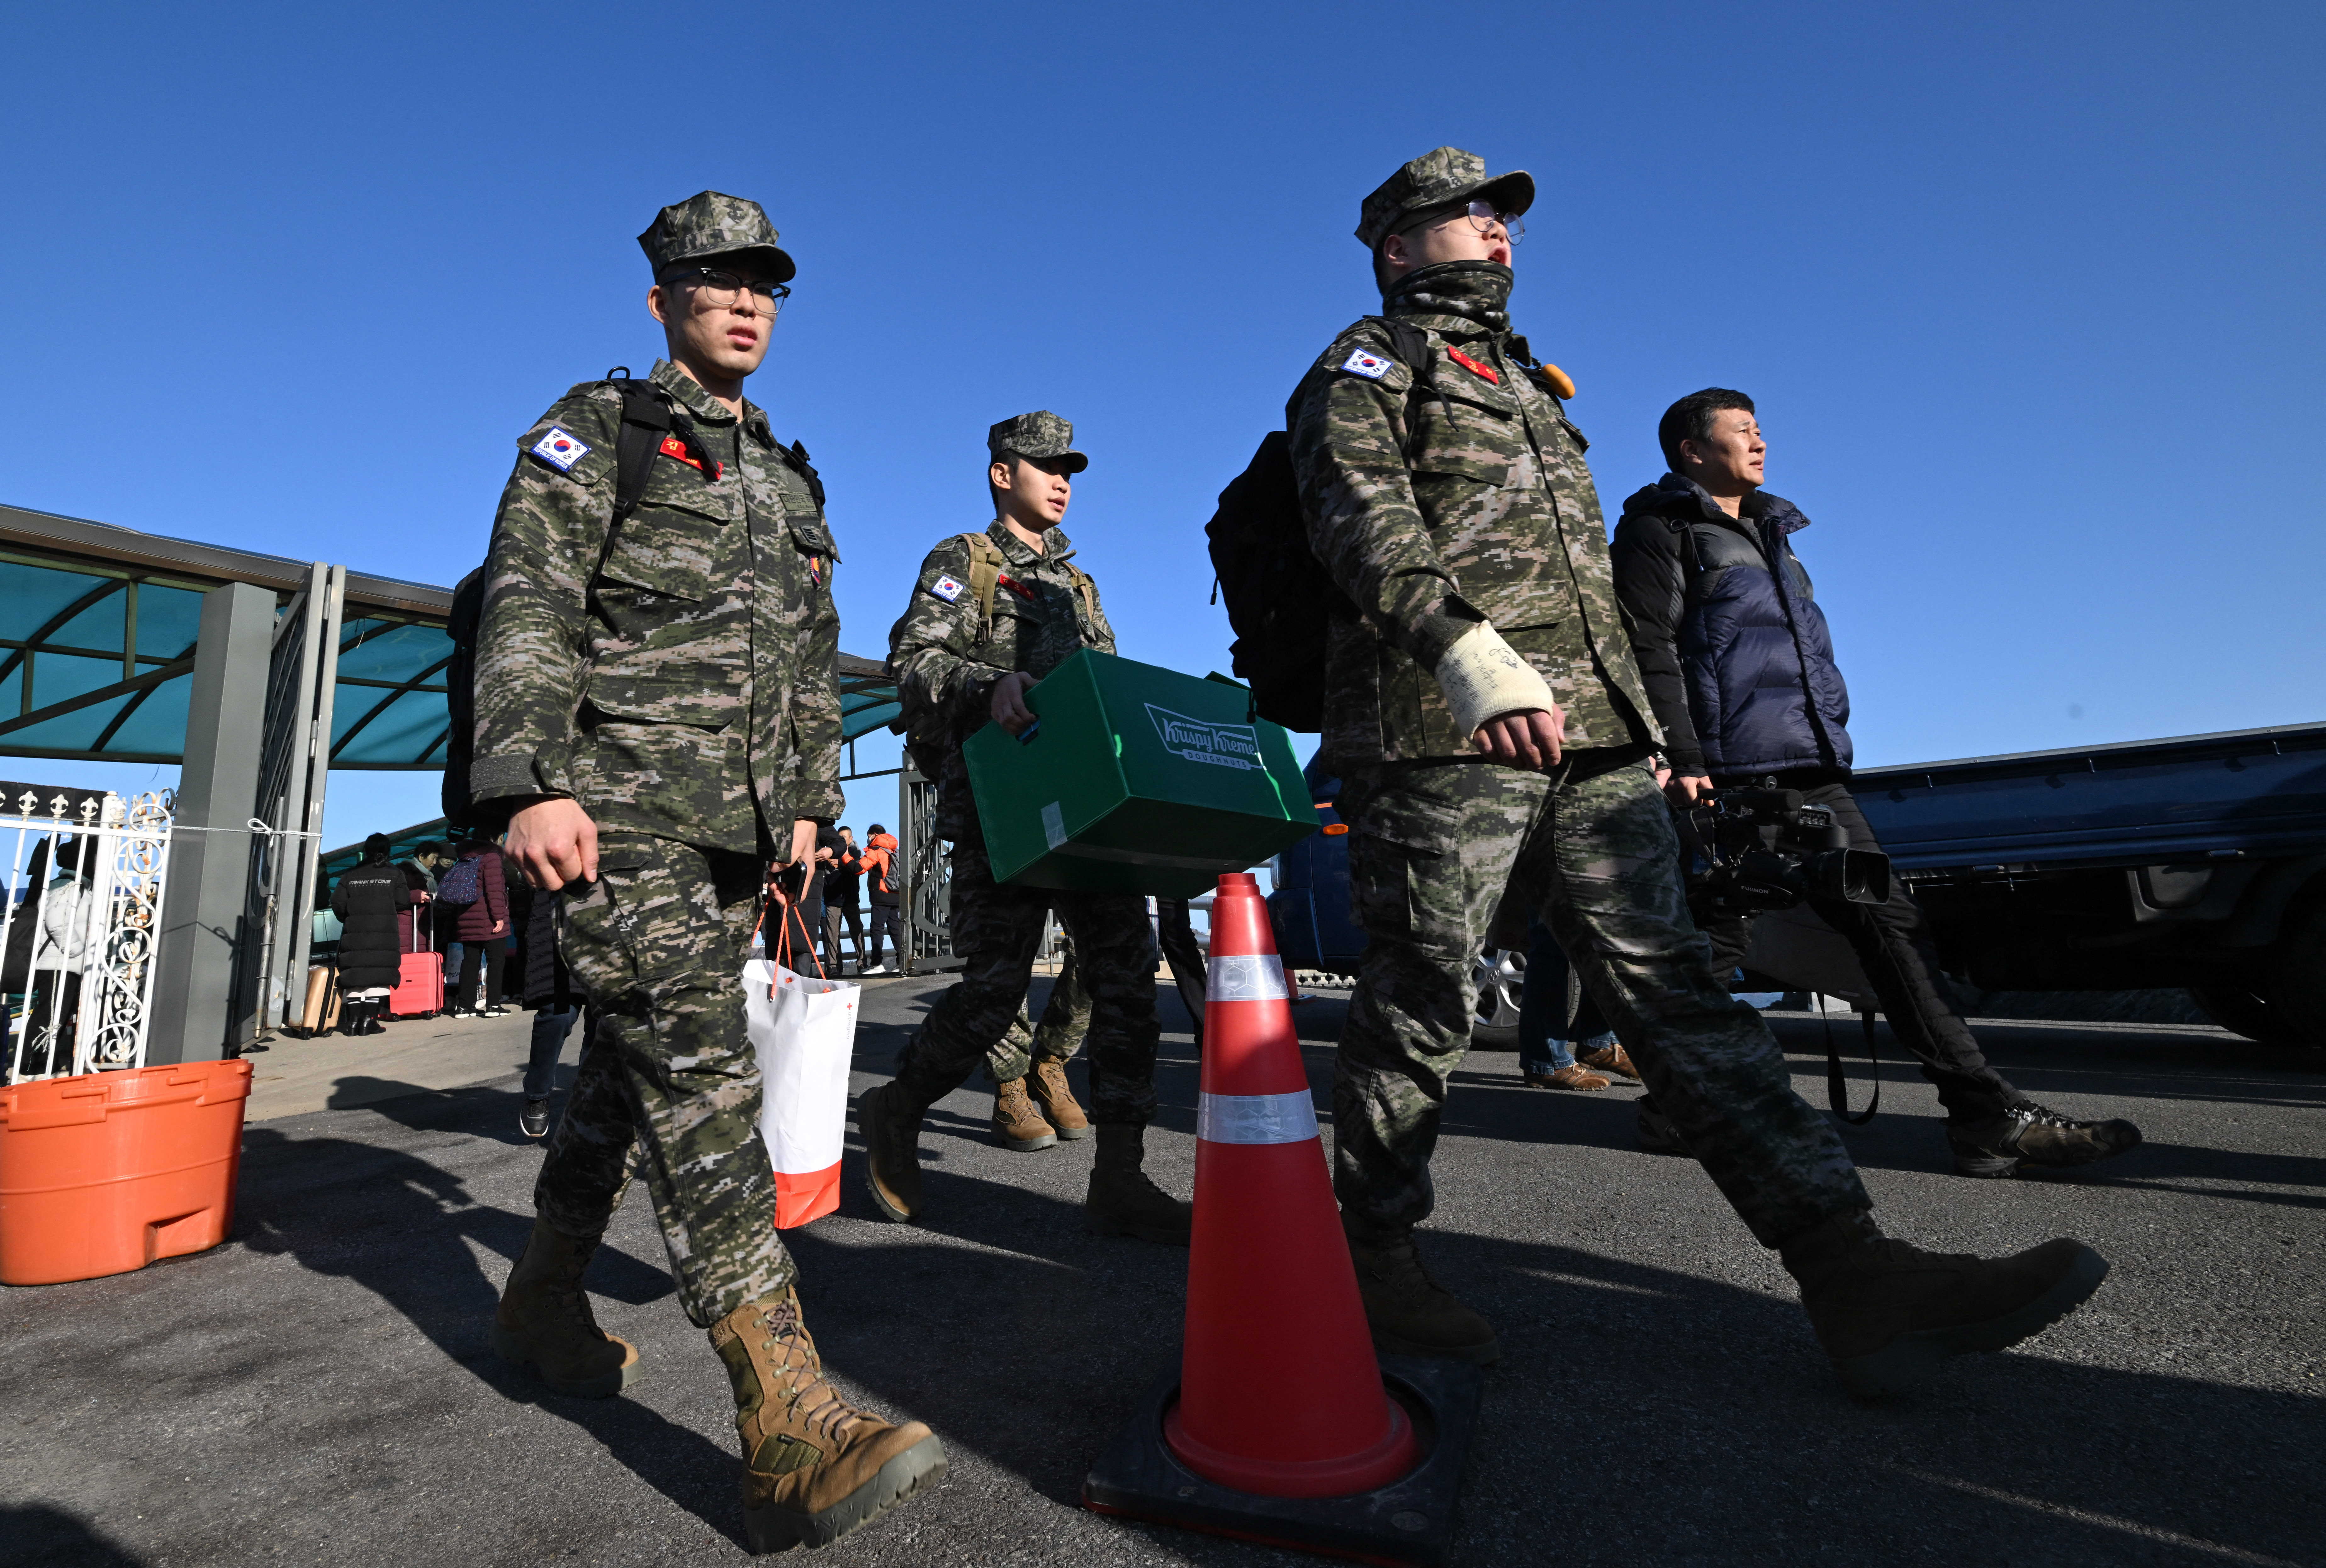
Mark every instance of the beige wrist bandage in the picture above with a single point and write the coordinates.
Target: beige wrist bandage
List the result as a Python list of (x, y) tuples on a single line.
[(1484, 678)]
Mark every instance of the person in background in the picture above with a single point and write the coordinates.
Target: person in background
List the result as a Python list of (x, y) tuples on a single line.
[(480, 924), (52, 921), (373, 902), (883, 881), (550, 991), (1550, 1017), (413, 933), (1738, 665), (840, 902)]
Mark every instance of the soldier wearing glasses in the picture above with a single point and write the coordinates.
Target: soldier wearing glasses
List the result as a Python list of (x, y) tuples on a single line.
[(1488, 722), (657, 713)]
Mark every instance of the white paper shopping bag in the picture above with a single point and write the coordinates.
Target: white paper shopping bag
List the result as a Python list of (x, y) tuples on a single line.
[(803, 1030)]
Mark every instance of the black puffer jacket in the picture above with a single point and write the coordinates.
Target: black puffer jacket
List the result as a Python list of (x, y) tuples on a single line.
[(1736, 657), (367, 901)]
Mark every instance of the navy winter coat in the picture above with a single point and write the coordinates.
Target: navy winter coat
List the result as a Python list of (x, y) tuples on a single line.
[(1736, 658)]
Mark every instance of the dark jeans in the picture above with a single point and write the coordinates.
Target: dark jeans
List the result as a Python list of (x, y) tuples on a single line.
[(494, 951), (887, 921), (1545, 1031), (834, 915), (550, 1027), (1895, 948)]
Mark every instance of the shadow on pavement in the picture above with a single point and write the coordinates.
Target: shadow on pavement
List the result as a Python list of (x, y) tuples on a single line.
[(401, 1228), (51, 1536)]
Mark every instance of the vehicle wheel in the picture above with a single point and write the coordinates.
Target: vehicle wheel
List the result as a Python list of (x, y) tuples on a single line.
[(1501, 974), (2241, 1010), (2297, 980)]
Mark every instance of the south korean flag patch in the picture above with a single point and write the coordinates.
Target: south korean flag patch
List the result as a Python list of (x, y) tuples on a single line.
[(1372, 367), (559, 449), (945, 589)]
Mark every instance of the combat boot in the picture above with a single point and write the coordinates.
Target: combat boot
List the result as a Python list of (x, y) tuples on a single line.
[(1017, 1125), (815, 1467), (891, 1125), (1410, 1314), (1122, 1200), (1049, 1086), (2028, 1134), (545, 1318), (1887, 1313)]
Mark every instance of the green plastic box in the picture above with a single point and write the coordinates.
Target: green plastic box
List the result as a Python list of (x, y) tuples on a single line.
[(1139, 780)]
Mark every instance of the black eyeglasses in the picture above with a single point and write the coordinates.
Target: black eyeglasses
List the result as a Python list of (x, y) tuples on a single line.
[(721, 289), (1483, 218)]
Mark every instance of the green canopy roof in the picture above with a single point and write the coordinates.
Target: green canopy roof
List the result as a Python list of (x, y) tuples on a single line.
[(97, 627)]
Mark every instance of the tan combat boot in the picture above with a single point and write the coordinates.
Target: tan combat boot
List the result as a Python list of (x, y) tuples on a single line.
[(1017, 1125), (1047, 1084), (891, 1126), (813, 1467), (1887, 1313), (545, 1318), (1410, 1314), (1122, 1200)]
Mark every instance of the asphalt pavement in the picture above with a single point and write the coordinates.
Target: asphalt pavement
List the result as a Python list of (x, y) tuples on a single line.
[(319, 1390)]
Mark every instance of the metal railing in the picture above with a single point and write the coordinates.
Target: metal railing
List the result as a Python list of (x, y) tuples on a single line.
[(86, 873)]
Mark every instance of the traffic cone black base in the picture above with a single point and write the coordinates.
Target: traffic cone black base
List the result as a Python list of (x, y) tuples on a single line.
[(1409, 1521)]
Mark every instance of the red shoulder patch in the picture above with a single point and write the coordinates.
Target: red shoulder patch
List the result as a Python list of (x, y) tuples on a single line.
[(672, 446), (1466, 363)]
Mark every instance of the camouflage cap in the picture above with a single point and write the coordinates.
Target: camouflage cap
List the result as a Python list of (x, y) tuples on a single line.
[(1434, 180), (1036, 435), (707, 224)]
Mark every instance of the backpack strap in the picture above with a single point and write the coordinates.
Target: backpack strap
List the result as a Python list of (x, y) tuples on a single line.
[(1410, 345), (985, 563), (648, 418), (1087, 588)]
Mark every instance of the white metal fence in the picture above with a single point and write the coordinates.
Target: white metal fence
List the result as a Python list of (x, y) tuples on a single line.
[(86, 874)]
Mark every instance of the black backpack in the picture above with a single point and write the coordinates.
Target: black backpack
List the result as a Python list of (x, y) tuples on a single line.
[(1279, 597), (648, 418)]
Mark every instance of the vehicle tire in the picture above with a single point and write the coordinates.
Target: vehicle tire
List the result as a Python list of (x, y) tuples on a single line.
[(2242, 1010), (2297, 979), (1500, 975)]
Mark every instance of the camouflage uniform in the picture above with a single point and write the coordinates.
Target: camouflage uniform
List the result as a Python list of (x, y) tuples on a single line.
[(1065, 1019), (686, 695), (946, 665), (1440, 494)]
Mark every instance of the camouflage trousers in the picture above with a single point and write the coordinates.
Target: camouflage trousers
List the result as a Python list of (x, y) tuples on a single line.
[(1064, 1021), (1433, 848), (669, 1086), (996, 930)]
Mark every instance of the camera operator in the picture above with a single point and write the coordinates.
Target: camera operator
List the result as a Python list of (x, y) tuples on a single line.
[(1739, 667)]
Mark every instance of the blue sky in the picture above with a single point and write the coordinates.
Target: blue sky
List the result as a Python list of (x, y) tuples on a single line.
[(2026, 293)]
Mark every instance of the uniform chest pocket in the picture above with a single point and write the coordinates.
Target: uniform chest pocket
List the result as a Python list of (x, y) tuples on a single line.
[(665, 552), (1465, 438), (810, 533)]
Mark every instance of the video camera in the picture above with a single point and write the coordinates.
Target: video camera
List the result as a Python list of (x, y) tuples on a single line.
[(1763, 848)]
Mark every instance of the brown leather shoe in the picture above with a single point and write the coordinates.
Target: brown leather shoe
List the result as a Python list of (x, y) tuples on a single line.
[(2029, 1135), (1410, 1314), (1887, 1313), (1571, 1076), (1017, 1125), (815, 1467), (1047, 1084), (544, 1319), (1610, 1059), (1122, 1200), (891, 1126)]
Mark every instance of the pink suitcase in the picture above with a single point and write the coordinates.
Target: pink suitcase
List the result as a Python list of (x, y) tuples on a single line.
[(419, 982)]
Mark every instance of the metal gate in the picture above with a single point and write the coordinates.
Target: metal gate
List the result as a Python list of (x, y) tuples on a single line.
[(928, 936), (303, 675), (86, 872)]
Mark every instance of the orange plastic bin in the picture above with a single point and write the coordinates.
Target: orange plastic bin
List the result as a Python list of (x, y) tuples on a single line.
[(107, 1172)]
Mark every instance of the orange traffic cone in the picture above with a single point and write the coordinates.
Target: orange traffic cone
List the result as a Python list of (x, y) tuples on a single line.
[(1279, 1391)]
